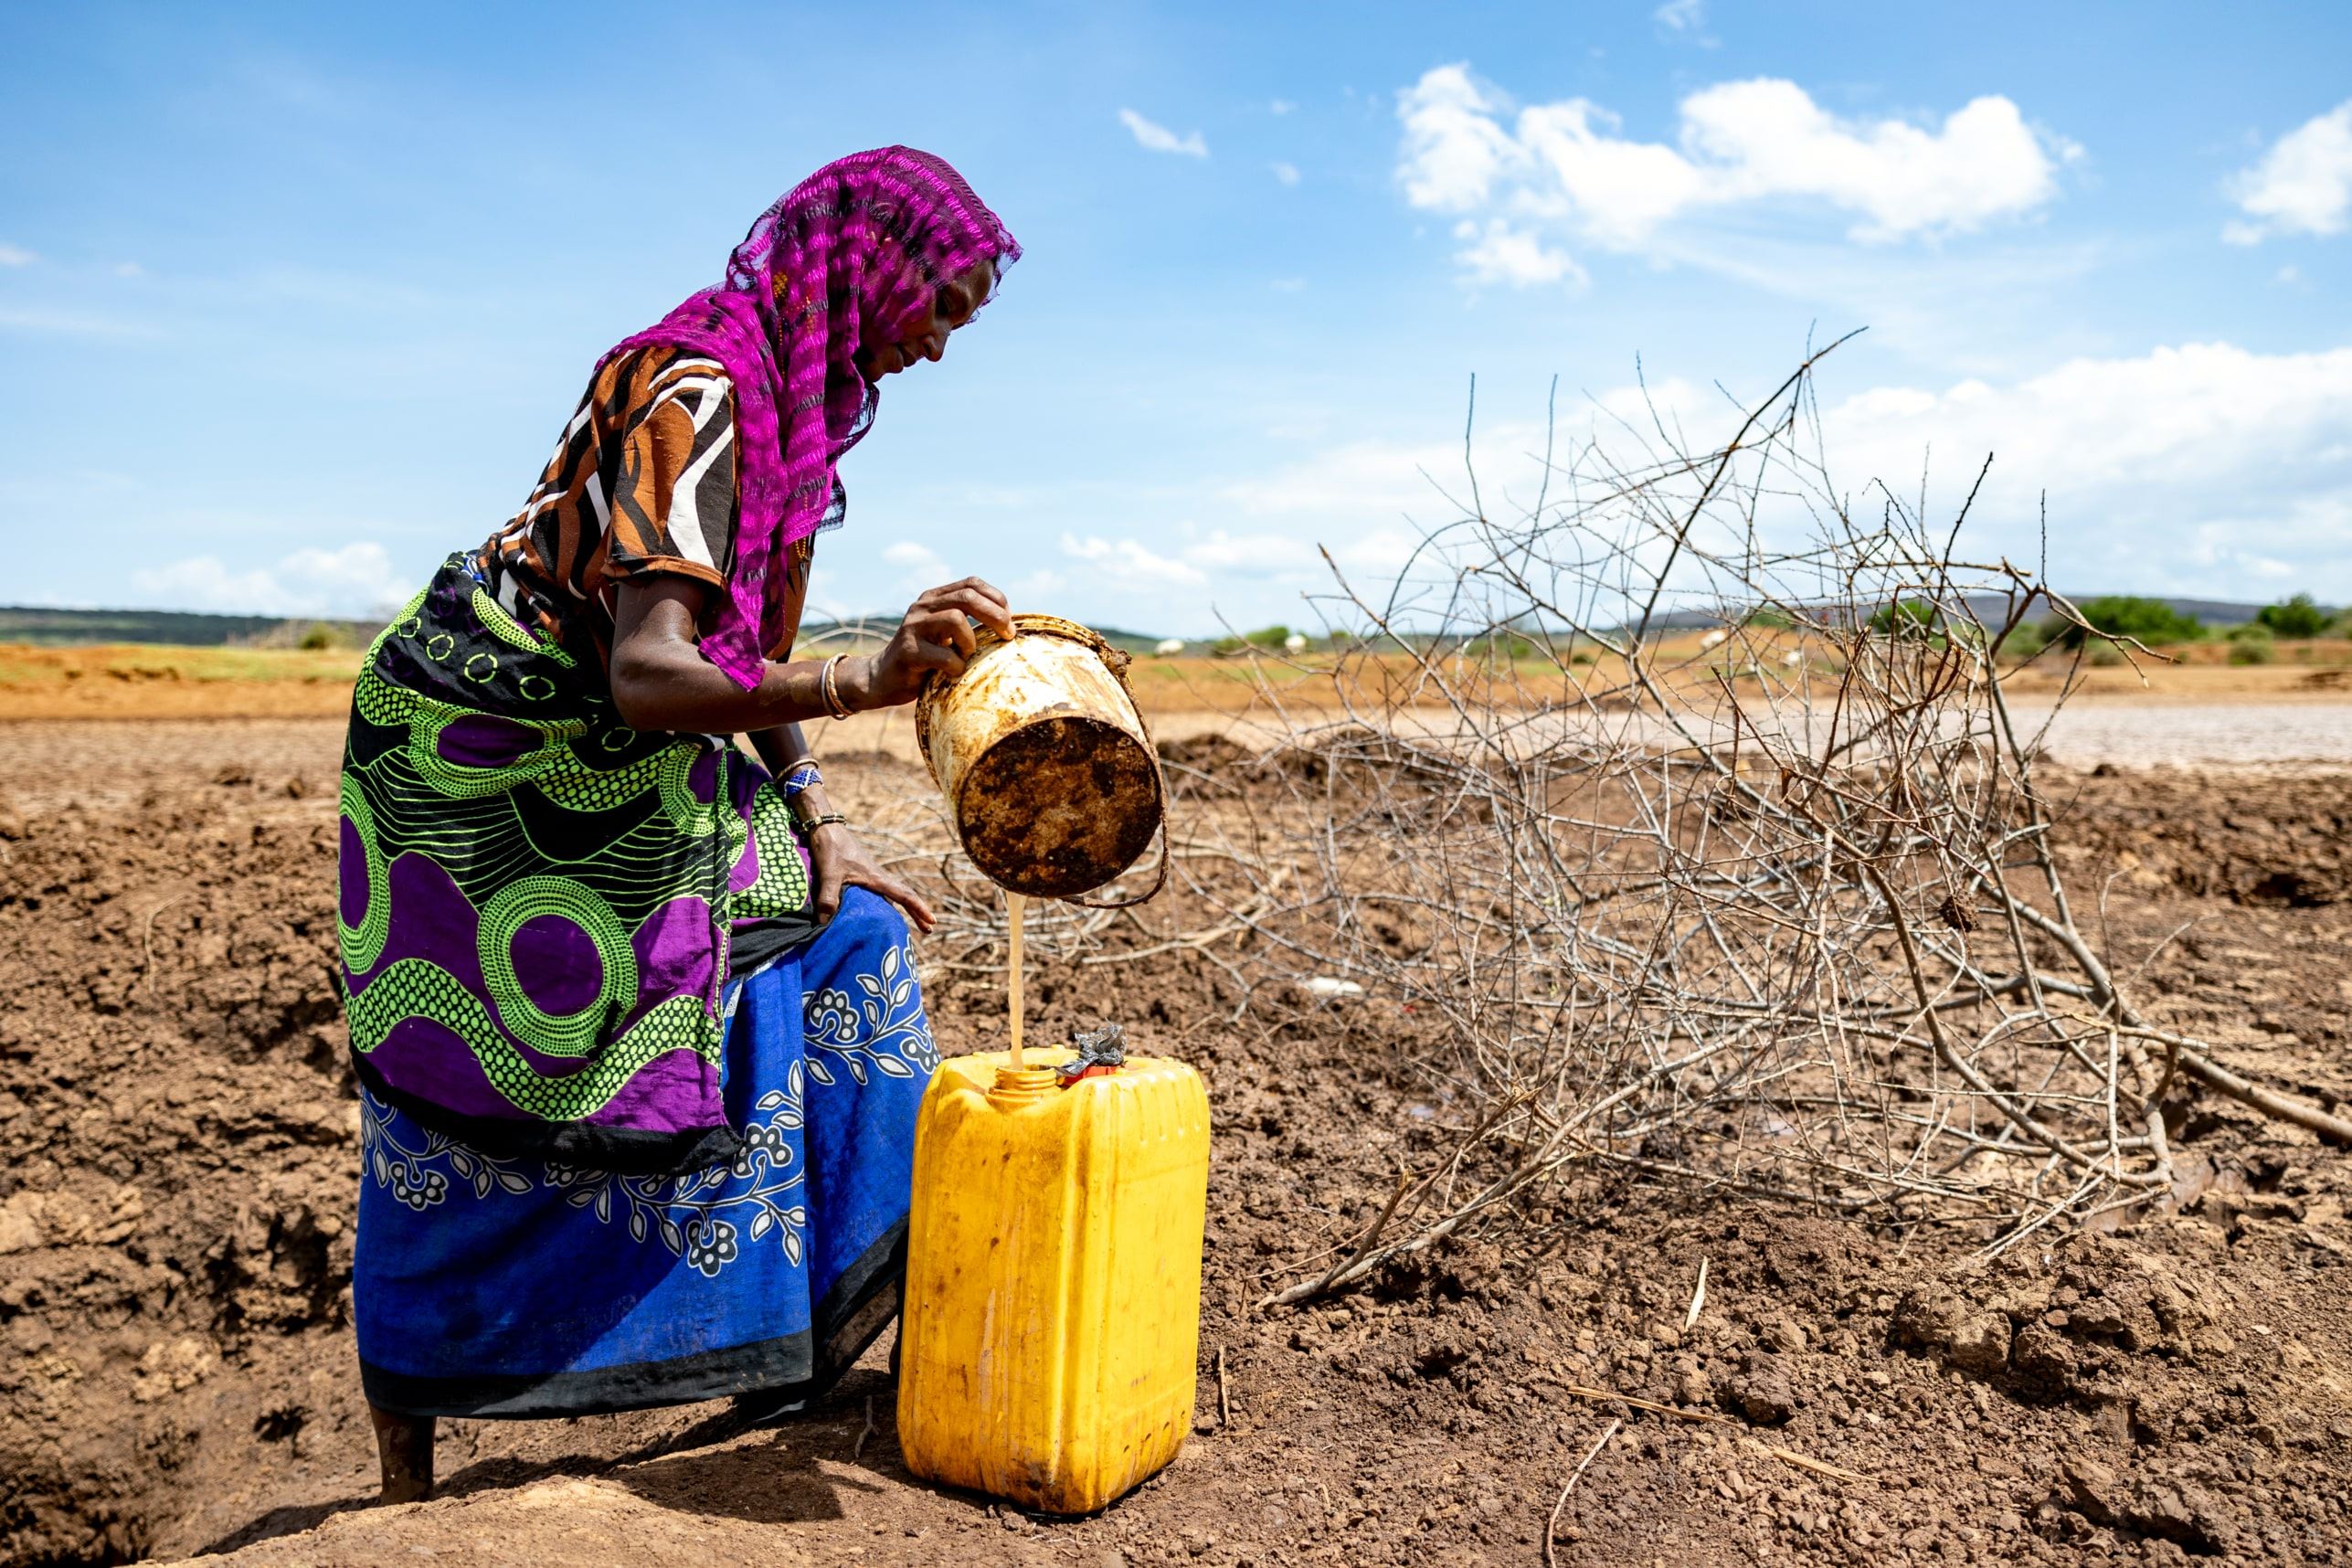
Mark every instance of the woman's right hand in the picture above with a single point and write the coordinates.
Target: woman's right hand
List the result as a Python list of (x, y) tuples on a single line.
[(936, 638)]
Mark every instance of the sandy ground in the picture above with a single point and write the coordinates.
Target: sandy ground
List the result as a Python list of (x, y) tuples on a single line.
[(178, 1165), (2192, 714), (139, 682), (82, 760), (2123, 732)]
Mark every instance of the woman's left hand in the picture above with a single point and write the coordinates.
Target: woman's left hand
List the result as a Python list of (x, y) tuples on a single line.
[(842, 861)]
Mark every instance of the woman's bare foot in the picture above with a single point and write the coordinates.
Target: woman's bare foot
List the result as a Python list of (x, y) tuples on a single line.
[(404, 1447)]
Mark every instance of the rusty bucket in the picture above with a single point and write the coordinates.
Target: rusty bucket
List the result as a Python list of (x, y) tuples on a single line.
[(1048, 772)]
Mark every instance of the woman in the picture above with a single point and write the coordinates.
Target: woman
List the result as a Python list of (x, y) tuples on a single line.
[(637, 1030)]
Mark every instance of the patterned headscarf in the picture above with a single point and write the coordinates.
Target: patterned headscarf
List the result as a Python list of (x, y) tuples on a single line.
[(873, 236)]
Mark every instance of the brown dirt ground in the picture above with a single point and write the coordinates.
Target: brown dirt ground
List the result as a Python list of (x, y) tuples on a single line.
[(134, 681), (178, 1164)]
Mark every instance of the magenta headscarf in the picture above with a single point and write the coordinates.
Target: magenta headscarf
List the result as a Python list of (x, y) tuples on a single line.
[(874, 235)]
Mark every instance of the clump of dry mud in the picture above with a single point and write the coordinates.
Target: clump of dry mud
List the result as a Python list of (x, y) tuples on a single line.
[(2249, 838), (180, 1167)]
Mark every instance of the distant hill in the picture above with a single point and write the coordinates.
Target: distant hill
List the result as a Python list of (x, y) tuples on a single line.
[(2216, 613), (184, 629), (2211, 611), (188, 628)]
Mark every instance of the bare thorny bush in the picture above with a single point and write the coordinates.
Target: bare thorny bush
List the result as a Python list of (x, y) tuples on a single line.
[(1686, 803), (1772, 909)]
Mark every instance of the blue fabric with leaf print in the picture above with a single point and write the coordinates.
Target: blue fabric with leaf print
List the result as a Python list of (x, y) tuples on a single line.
[(518, 1288)]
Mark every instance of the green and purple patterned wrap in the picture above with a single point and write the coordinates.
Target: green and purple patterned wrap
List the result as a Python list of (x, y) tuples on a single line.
[(538, 901)]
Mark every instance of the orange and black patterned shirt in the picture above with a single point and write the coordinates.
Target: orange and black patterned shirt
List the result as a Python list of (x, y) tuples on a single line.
[(642, 483)]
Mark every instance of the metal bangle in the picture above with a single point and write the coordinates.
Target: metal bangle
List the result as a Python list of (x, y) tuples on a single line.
[(808, 828), (829, 687)]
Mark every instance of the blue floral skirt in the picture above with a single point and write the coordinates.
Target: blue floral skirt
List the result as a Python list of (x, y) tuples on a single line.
[(513, 1288)]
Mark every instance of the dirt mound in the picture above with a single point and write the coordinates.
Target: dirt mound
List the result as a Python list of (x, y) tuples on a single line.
[(1204, 753), (2260, 839), (177, 1167)]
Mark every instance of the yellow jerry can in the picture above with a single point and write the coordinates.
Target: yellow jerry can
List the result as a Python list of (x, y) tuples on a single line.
[(1053, 1314)]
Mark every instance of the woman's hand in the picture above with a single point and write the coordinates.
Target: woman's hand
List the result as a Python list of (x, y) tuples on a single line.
[(936, 639), (842, 861)]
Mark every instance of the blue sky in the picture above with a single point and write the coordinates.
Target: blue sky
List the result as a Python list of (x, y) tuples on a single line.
[(297, 297)]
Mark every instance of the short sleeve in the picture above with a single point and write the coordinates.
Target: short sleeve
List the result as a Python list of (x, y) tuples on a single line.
[(673, 501)]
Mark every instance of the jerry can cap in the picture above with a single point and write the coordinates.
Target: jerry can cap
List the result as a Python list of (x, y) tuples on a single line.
[(1100, 1053)]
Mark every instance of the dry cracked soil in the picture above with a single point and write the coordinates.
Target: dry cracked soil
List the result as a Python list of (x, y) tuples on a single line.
[(178, 1169)]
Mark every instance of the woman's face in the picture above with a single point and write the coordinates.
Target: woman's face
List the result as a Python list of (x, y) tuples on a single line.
[(886, 352)]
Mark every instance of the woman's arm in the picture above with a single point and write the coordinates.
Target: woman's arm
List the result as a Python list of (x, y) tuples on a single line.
[(661, 682), (839, 859), (780, 748)]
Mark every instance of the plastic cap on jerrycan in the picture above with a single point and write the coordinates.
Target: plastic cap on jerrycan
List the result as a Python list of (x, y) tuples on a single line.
[(1043, 757), (1053, 1278)]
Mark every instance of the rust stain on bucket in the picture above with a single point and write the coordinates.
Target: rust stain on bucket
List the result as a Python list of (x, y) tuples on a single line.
[(1043, 759)]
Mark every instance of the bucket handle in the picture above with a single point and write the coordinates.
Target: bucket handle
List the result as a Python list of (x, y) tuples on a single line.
[(1158, 881), (1118, 659)]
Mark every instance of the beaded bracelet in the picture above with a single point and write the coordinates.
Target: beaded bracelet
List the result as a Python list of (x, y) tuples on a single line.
[(808, 829), (799, 777)]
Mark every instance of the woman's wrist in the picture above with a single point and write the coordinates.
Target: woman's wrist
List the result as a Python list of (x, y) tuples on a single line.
[(854, 680), (799, 777), (811, 829), (803, 689)]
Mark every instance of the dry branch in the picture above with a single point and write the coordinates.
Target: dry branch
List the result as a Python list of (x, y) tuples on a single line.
[(1686, 811)]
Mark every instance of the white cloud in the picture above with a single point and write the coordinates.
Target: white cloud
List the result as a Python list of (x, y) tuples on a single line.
[(1503, 254), (201, 582), (1348, 486), (16, 254), (1126, 563), (1157, 138), (1564, 168), (1768, 138), (2192, 469), (2303, 185), (1280, 106), (1260, 552), (1287, 173), (1454, 150), (354, 580), (1031, 586), (2200, 468), (1343, 496), (129, 269), (2187, 468), (2200, 415), (43, 319), (919, 565), (1685, 19), (1288, 285)]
